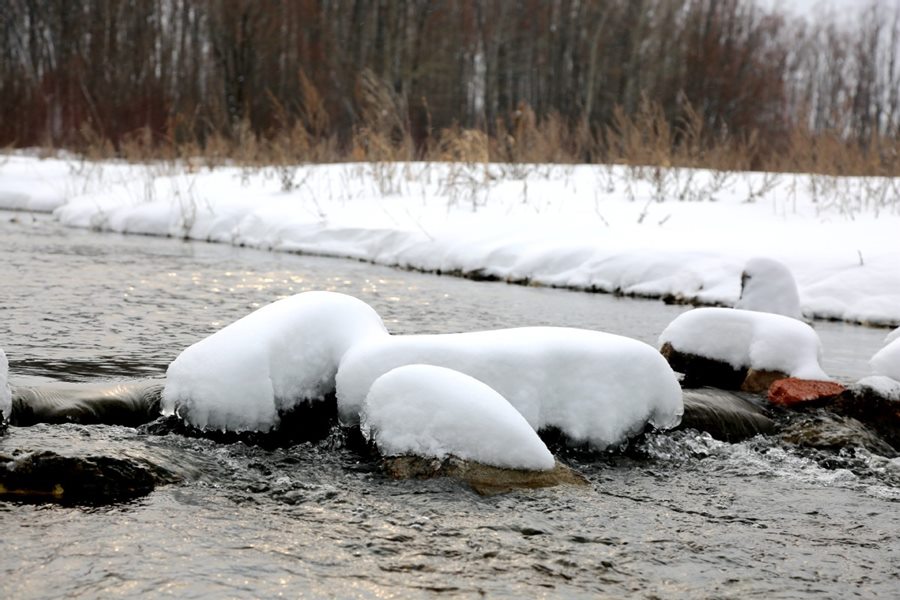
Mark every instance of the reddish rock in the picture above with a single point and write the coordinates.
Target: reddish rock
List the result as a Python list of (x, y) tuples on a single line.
[(792, 392)]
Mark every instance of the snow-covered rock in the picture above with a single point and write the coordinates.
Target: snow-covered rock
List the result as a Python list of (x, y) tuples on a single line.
[(768, 286), (887, 360), (434, 412), (875, 401), (882, 386), (745, 339), (5, 395), (894, 335), (595, 387), (243, 376)]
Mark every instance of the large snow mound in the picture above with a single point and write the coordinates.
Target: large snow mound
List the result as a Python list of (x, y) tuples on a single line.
[(243, 376), (748, 339), (5, 394), (595, 387), (887, 360), (768, 286), (435, 412)]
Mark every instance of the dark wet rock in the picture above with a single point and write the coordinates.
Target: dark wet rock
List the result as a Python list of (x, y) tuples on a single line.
[(793, 392), (130, 403), (307, 422), (46, 476), (828, 431), (484, 479), (875, 406), (701, 371), (724, 415)]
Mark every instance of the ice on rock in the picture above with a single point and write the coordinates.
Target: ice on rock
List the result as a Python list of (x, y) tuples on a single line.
[(241, 377), (748, 339), (5, 394), (595, 387), (887, 360), (768, 286), (434, 412)]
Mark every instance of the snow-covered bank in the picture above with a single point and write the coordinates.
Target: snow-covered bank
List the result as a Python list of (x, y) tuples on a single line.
[(651, 232)]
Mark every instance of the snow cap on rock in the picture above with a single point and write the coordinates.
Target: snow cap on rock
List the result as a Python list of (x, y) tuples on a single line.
[(887, 360), (595, 387), (748, 339), (241, 377), (5, 395), (894, 335), (434, 412), (768, 286)]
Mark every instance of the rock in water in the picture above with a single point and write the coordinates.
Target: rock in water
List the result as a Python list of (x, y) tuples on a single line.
[(5, 397), (484, 479), (49, 477), (740, 349), (700, 371), (876, 402), (129, 403), (828, 431), (724, 415), (792, 392)]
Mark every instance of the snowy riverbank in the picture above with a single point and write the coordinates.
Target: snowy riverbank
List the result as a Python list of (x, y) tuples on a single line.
[(650, 232)]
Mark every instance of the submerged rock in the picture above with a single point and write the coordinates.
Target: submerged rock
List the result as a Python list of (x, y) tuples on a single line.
[(484, 479), (50, 477), (724, 415), (828, 431), (129, 403), (793, 392)]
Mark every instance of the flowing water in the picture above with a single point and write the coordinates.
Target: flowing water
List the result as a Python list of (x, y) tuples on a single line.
[(680, 515)]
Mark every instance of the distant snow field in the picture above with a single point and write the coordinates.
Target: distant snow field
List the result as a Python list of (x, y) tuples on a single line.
[(650, 232)]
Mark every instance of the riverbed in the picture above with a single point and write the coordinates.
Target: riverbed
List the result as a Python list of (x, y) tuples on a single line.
[(679, 515)]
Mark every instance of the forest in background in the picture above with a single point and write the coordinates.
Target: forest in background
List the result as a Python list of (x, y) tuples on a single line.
[(723, 84)]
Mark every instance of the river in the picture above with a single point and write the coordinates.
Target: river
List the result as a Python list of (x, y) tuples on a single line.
[(681, 515)]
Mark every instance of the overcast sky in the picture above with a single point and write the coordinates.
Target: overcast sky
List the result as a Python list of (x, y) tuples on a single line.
[(812, 7)]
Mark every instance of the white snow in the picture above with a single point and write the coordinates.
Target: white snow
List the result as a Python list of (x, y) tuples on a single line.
[(887, 360), (435, 412), (600, 227), (286, 352), (595, 387), (894, 335), (768, 286), (5, 394), (748, 339), (883, 386)]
